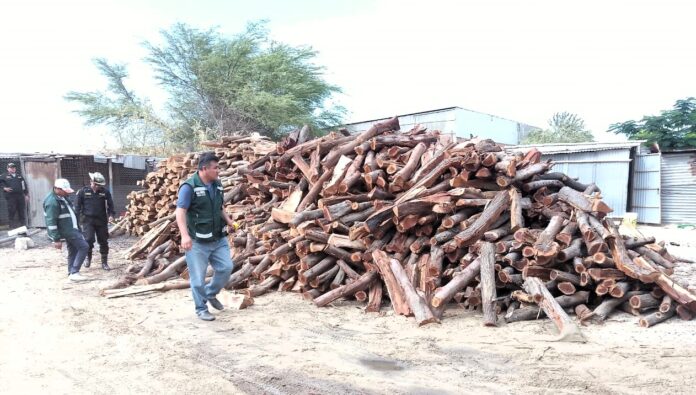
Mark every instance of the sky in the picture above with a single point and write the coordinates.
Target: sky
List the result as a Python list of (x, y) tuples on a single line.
[(607, 61)]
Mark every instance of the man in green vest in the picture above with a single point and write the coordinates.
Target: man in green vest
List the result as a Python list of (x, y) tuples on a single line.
[(62, 224), (201, 220)]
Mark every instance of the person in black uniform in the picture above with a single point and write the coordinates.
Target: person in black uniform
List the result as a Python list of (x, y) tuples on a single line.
[(16, 194), (95, 207)]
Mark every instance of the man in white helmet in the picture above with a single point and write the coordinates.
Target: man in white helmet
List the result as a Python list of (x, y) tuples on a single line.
[(62, 224), (95, 207)]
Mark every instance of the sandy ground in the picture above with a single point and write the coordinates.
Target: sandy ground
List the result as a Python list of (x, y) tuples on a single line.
[(58, 337)]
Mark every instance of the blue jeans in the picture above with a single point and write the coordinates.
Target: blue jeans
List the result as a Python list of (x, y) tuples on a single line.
[(197, 258), (77, 251)]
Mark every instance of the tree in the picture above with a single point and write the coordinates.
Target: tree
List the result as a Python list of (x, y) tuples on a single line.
[(563, 127), (216, 86), (672, 129)]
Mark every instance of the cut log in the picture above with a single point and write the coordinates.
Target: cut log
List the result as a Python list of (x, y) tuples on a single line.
[(545, 245), (516, 217), (608, 305), (359, 284), (583, 202), (374, 298), (666, 304), (444, 294), (400, 178), (488, 292), (620, 289), (394, 290), (623, 261), (568, 330), (417, 305), (534, 312), (570, 252), (656, 317), (489, 216)]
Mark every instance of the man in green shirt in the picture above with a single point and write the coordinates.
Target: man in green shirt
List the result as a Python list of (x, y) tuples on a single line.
[(62, 224)]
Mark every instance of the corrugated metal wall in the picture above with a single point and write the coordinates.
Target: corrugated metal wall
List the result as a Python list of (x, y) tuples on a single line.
[(679, 188), (609, 169), (645, 200)]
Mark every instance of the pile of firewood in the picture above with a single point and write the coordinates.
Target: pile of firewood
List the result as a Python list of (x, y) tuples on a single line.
[(428, 223), (149, 207)]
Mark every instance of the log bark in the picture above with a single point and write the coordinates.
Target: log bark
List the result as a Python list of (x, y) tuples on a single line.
[(359, 284), (644, 301), (474, 232), (582, 201), (516, 216), (568, 330), (656, 317), (394, 290), (444, 294), (545, 245), (488, 291), (331, 159), (623, 261), (417, 305), (374, 298), (400, 178), (534, 312), (602, 311)]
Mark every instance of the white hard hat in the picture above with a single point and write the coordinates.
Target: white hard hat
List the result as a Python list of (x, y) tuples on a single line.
[(97, 178), (62, 183)]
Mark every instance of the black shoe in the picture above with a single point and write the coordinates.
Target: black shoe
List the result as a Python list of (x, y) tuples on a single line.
[(216, 304), (105, 264), (206, 316), (89, 259)]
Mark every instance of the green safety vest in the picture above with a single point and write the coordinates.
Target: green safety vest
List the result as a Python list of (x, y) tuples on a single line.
[(61, 220), (203, 218)]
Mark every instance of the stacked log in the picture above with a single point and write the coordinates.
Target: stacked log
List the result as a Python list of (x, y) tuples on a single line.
[(430, 223), (147, 207)]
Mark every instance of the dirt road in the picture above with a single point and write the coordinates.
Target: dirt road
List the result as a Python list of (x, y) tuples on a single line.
[(59, 337)]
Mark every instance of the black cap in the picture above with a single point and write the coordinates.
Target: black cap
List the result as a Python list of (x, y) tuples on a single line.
[(11, 165)]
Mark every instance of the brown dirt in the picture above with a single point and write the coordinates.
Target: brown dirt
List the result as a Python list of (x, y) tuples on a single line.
[(59, 337)]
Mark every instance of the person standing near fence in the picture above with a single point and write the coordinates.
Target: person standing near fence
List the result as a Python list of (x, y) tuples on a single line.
[(16, 194)]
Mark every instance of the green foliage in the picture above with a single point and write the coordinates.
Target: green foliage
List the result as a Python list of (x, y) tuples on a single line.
[(672, 129), (563, 127), (216, 86)]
